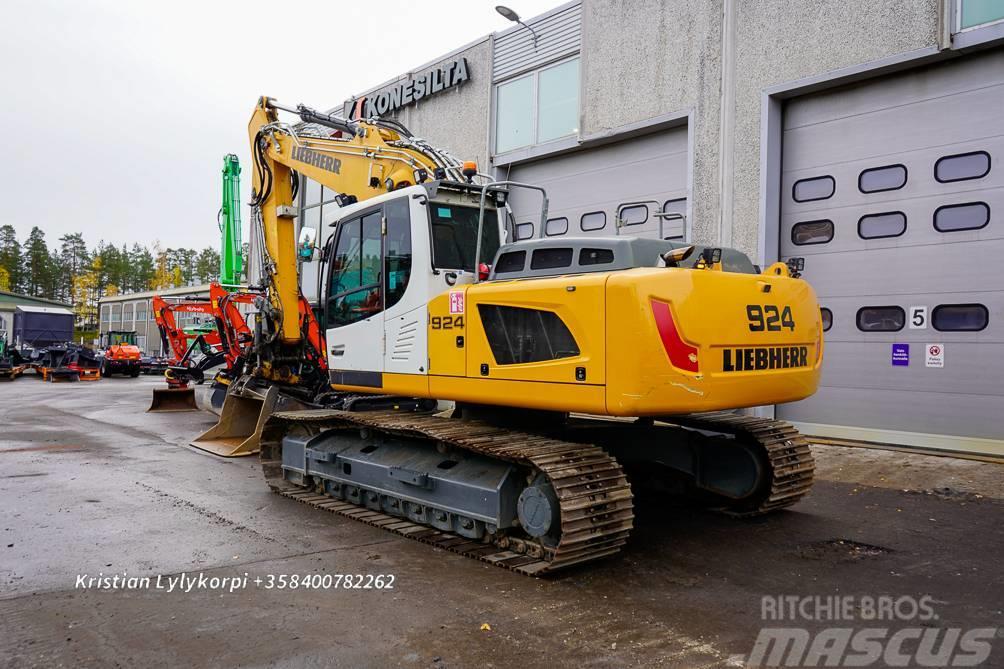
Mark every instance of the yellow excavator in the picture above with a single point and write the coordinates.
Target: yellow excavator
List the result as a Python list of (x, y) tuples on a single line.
[(499, 399)]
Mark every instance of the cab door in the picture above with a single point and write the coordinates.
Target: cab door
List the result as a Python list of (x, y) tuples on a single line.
[(354, 315)]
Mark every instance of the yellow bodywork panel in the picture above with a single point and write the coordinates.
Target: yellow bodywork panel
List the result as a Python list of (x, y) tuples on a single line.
[(758, 340), (651, 341)]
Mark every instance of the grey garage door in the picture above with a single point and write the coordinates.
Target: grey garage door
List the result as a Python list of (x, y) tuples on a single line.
[(893, 191), (587, 187)]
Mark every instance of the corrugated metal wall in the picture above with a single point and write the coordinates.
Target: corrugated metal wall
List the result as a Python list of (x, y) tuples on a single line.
[(559, 33)]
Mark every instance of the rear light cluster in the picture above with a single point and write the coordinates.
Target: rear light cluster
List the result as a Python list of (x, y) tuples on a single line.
[(681, 354)]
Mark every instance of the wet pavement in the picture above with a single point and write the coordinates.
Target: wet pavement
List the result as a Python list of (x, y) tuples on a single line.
[(92, 487)]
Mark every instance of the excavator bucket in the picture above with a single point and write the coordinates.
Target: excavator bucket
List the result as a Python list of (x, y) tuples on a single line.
[(173, 399), (241, 420)]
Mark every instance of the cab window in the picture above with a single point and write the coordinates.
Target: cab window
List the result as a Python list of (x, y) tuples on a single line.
[(354, 291), (397, 254), (455, 236)]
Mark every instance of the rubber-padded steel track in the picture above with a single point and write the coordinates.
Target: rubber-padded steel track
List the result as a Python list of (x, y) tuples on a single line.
[(593, 494), (791, 467)]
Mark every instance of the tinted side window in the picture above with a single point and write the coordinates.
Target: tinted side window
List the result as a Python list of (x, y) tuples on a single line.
[(811, 232), (877, 179), (596, 256), (960, 317), (877, 226), (397, 250), (962, 166), (816, 188), (518, 335), (881, 319), (596, 220), (953, 217), (551, 258), (511, 262), (556, 226)]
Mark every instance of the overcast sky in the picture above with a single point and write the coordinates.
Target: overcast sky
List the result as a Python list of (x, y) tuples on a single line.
[(117, 115)]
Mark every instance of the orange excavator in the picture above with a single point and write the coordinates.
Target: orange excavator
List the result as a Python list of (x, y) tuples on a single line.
[(226, 345)]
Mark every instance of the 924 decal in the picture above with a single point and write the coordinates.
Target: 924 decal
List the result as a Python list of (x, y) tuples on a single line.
[(446, 322), (767, 317)]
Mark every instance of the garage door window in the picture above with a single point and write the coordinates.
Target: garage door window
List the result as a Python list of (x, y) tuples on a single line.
[(524, 231), (878, 226), (634, 215), (827, 317), (881, 319), (816, 188), (596, 220), (556, 227), (955, 217), (962, 167), (878, 179), (811, 232), (960, 317)]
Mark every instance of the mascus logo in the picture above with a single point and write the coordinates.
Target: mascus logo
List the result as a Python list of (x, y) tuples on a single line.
[(764, 357)]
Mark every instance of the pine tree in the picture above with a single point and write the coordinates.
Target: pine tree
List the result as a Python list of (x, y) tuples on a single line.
[(207, 266), (10, 257), (73, 259), (38, 264)]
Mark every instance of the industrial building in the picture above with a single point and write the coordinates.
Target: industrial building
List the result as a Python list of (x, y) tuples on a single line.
[(9, 302), (865, 138), (132, 311)]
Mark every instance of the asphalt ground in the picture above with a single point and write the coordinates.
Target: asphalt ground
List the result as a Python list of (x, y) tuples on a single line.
[(92, 485)]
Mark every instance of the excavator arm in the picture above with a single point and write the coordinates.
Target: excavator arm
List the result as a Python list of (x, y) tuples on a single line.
[(173, 337), (357, 160)]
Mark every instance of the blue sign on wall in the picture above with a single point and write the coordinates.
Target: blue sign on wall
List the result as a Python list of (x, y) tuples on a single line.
[(900, 355)]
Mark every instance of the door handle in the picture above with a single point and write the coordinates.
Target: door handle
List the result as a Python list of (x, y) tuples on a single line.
[(338, 349)]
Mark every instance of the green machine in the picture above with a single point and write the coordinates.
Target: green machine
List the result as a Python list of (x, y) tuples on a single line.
[(231, 261)]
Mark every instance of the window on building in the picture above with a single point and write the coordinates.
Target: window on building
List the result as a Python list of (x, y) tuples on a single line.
[(634, 215), (596, 220), (811, 232), (881, 319), (960, 317), (878, 179), (955, 217), (878, 226), (105, 316), (963, 166), (556, 226), (975, 13), (827, 317), (116, 316), (816, 188), (538, 107), (141, 313), (674, 228), (551, 258)]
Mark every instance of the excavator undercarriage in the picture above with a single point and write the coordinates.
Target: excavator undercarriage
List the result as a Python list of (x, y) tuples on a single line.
[(534, 500)]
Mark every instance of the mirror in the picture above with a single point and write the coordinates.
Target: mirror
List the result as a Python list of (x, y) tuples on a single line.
[(305, 246)]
